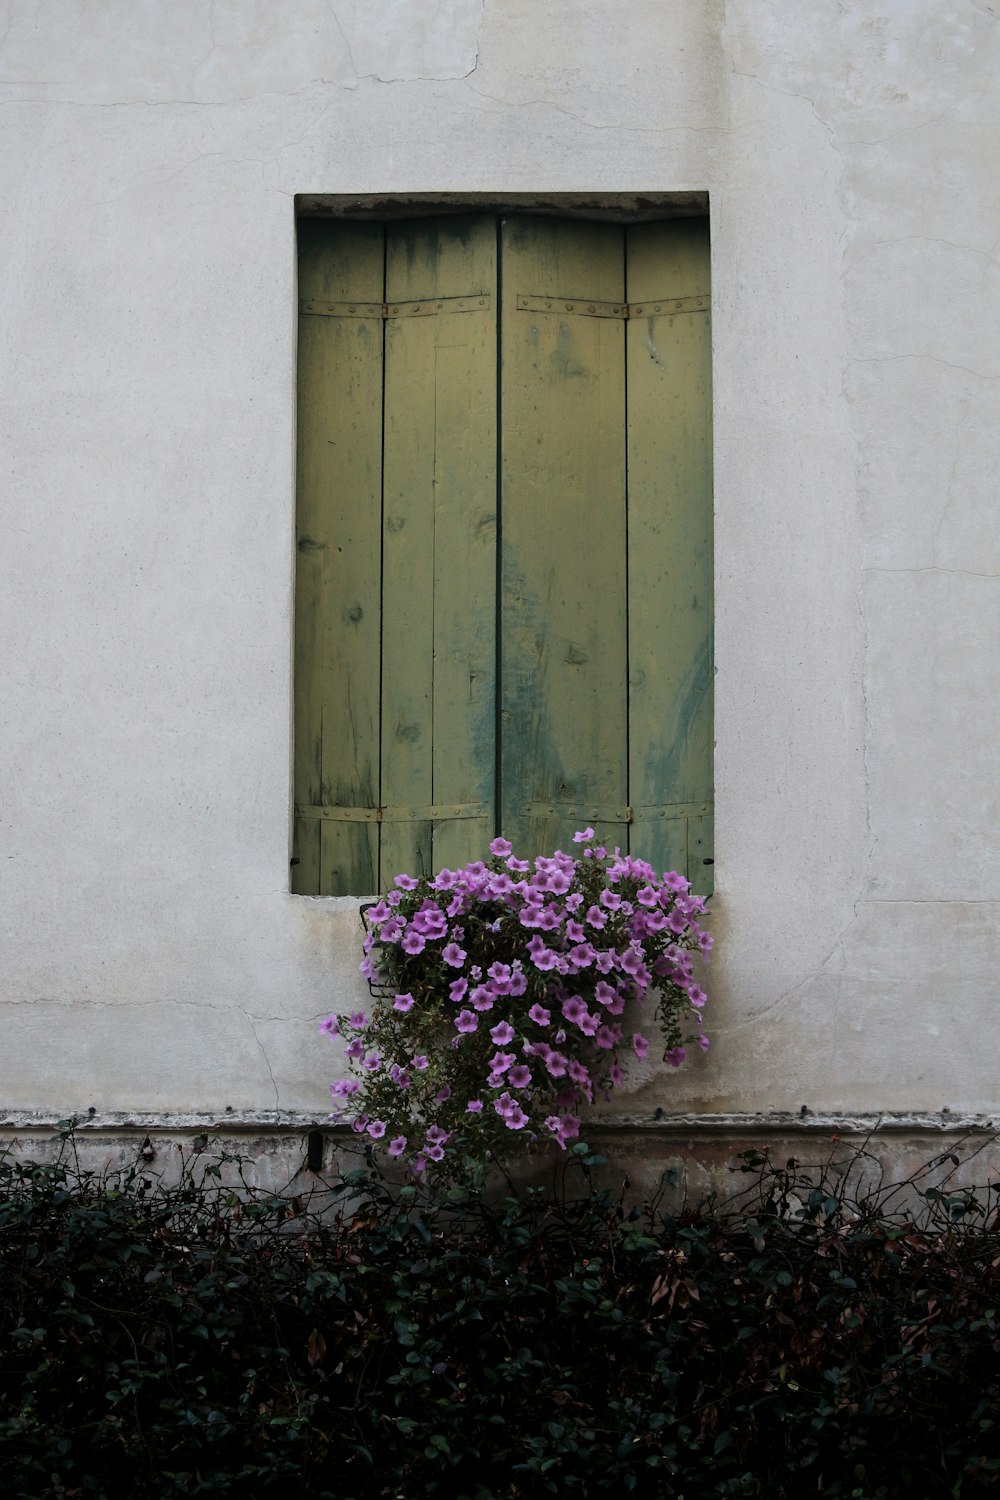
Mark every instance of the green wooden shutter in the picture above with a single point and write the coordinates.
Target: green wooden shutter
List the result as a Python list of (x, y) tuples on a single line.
[(396, 572), (337, 585), (603, 544), (439, 545), (669, 425), (564, 661)]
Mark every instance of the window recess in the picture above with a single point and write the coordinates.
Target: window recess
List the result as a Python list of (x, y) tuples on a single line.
[(504, 569)]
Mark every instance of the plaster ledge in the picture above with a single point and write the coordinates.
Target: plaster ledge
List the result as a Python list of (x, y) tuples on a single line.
[(291, 1122)]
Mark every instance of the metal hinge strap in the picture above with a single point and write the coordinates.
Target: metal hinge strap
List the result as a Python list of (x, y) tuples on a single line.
[(585, 308), (437, 812), (422, 307)]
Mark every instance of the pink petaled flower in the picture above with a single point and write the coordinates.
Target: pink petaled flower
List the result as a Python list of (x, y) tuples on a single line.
[(457, 989), (474, 1107), (405, 882), (616, 1075), (356, 1050), (344, 1087), (556, 1064), (574, 1010), (435, 1153), (372, 1062), (596, 918), (502, 1033), (376, 1129), (674, 1056), (482, 998), (466, 1020), (705, 942), (443, 881), (519, 1077), (610, 899), (589, 1024), (603, 993), (390, 932), (631, 961), (582, 955), (516, 1119), (420, 1063), (583, 836), (501, 1061), (703, 1042), (419, 1164), (430, 919), (413, 942), (403, 1002), (399, 1076), (540, 1015), (648, 896), (443, 1094), (697, 996), (437, 1136), (501, 848), (577, 1071), (519, 866), (357, 1019), (503, 1104), (640, 1044), (607, 961), (453, 955), (331, 1025), (397, 1146), (574, 932)]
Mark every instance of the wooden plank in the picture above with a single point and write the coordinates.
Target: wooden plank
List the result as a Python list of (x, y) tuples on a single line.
[(670, 539), (337, 605), (439, 542), (563, 533)]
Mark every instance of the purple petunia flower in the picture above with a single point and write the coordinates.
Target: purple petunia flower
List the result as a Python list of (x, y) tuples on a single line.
[(640, 1044), (466, 1020), (453, 955), (376, 1129), (403, 1002), (540, 1015), (502, 1033), (397, 1146), (331, 1026)]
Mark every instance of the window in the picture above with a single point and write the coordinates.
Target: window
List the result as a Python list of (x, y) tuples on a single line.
[(504, 571)]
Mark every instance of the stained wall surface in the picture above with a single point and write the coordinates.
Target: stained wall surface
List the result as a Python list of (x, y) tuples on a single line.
[(150, 157)]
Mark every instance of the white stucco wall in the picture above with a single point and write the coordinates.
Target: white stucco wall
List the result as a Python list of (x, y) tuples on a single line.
[(152, 958)]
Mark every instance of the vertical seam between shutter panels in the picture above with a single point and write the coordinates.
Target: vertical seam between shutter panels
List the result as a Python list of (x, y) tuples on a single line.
[(381, 571), (626, 439), (498, 607)]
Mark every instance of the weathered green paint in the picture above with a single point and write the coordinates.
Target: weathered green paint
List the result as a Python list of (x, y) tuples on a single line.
[(439, 540), (337, 603), (605, 551), (563, 674), (670, 544)]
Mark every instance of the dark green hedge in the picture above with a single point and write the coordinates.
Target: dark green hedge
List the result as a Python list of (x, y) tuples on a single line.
[(198, 1341)]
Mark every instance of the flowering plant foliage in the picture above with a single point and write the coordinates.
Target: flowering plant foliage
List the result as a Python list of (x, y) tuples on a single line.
[(499, 998)]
